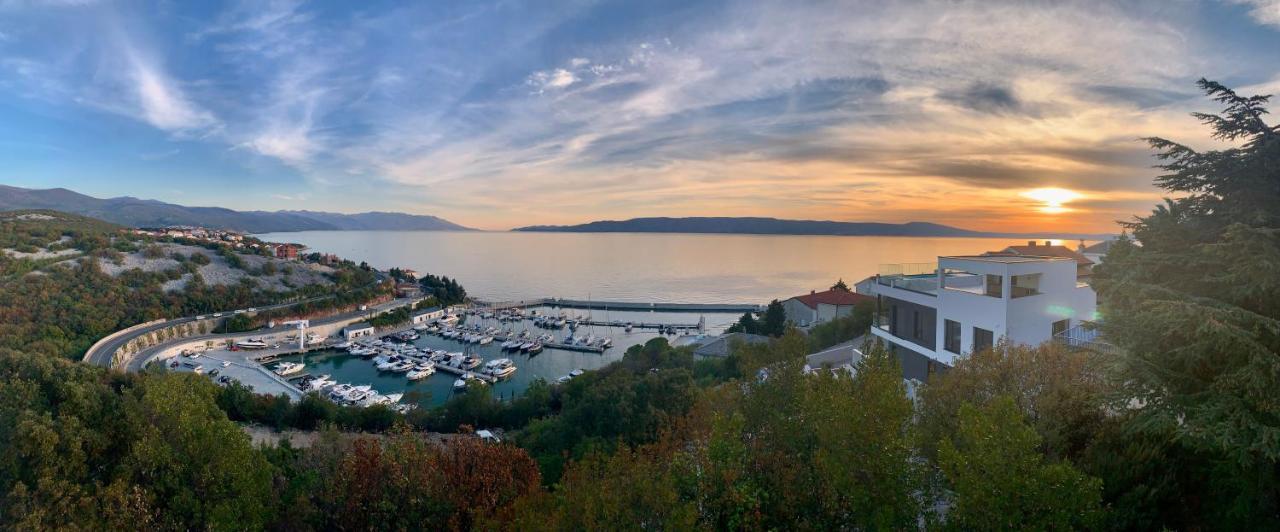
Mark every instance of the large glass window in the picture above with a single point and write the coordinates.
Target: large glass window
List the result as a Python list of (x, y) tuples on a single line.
[(982, 339), (1024, 285), (917, 326), (951, 340), (994, 285), (1061, 326)]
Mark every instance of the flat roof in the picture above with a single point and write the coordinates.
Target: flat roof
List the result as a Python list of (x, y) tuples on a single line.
[(1006, 259), (361, 325)]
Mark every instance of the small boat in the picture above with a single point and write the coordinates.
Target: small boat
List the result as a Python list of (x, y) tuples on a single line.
[(421, 371), (526, 346), (289, 368), (251, 344), (535, 348), (577, 373), (470, 362), (564, 379), (485, 340), (404, 366), (460, 385), (343, 345)]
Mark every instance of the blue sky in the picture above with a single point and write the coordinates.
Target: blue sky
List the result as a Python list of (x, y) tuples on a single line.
[(511, 113)]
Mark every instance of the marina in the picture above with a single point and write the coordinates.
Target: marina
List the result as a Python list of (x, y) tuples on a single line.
[(489, 337)]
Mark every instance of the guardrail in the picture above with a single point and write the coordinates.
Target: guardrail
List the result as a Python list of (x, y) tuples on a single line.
[(97, 345)]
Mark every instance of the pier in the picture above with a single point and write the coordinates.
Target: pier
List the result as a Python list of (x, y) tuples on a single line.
[(623, 305)]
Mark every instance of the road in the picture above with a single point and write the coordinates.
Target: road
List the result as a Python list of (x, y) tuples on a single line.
[(141, 358), (102, 357)]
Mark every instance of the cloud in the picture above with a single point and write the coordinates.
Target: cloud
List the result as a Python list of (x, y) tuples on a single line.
[(551, 79), (161, 101), (1264, 11)]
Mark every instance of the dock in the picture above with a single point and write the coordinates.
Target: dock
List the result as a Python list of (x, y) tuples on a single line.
[(624, 305)]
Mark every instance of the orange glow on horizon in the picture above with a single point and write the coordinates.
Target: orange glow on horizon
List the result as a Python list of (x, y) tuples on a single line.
[(1052, 199)]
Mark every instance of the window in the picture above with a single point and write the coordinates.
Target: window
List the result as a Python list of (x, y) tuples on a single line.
[(982, 339), (995, 285), (1024, 285), (1061, 326), (893, 320), (951, 340), (917, 327)]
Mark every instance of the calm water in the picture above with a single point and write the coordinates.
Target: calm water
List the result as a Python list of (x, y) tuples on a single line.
[(685, 268), (643, 267), (548, 365)]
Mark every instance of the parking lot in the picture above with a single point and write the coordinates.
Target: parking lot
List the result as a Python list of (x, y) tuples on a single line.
[(236, 365)]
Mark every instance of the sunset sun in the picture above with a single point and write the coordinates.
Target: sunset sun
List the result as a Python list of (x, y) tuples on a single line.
[(1052, 200)]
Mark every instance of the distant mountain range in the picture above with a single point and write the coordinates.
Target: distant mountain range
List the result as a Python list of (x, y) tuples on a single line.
[(774, 226), (134, 212)]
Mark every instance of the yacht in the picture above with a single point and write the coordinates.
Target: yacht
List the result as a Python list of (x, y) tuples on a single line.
[(485, 340), (421, 371), (577, 373), (470, 362), (251, 344), (527, 346), (535, 348), (459, 385), (319, 383), (389, 363), (289, 368), (500, 368), (402, 366)]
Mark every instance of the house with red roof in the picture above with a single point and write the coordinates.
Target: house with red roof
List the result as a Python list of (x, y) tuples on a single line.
[(817, 307)]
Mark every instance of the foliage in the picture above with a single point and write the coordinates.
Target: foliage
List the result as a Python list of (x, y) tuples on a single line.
[(1001, 482), (447, 291), (844, 328), (840, 285), (1196, 307), (773, 322)]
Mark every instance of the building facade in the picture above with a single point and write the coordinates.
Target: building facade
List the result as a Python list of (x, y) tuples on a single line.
[(818, 307), (970, 303)]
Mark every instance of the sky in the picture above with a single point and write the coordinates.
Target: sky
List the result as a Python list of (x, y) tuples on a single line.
[(1008, 116)]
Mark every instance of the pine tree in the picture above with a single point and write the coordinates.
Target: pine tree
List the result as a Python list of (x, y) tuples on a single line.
[(1196, 306)]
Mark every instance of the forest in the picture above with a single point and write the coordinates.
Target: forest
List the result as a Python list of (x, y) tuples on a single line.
[(61, 305), (1179, 430)]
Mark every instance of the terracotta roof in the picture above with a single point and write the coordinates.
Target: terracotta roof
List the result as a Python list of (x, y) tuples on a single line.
[(1045, 251), (832, 297)]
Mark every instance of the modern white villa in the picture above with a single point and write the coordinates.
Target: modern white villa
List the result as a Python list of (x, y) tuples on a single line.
[(932, 313)]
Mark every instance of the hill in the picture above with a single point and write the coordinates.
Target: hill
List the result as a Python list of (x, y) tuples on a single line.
[(775, 226), (134, 212)]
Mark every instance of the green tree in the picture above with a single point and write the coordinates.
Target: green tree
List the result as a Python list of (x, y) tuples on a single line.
[(1001, 482), (1196, 307), (774, 322), (745, 324), (197, 467), (840, 285)]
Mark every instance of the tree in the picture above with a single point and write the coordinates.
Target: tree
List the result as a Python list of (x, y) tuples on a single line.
[(196, 465), (1196, 306), (745, 324), (840, 285), (1000, 481), (775, 319)]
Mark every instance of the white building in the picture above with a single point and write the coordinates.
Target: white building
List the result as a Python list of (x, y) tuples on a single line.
[(427, 315), (969, 303), (357, 330)]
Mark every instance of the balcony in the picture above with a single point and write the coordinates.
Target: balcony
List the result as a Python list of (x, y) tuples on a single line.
[(921, 277), (1088, 336)]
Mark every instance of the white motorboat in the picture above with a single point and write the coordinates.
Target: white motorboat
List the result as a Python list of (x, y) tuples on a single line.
[(251, 344), (460, 385), (421, 371), (320, 383), (576, 373), (289, 368), (535, 348), (402, 366), (500, 368), (485, 340)]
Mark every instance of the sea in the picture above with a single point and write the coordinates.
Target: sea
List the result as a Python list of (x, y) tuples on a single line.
[(631, 267)]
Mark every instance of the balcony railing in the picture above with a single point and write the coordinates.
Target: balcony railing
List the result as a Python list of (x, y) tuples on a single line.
[(1087, 335)]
